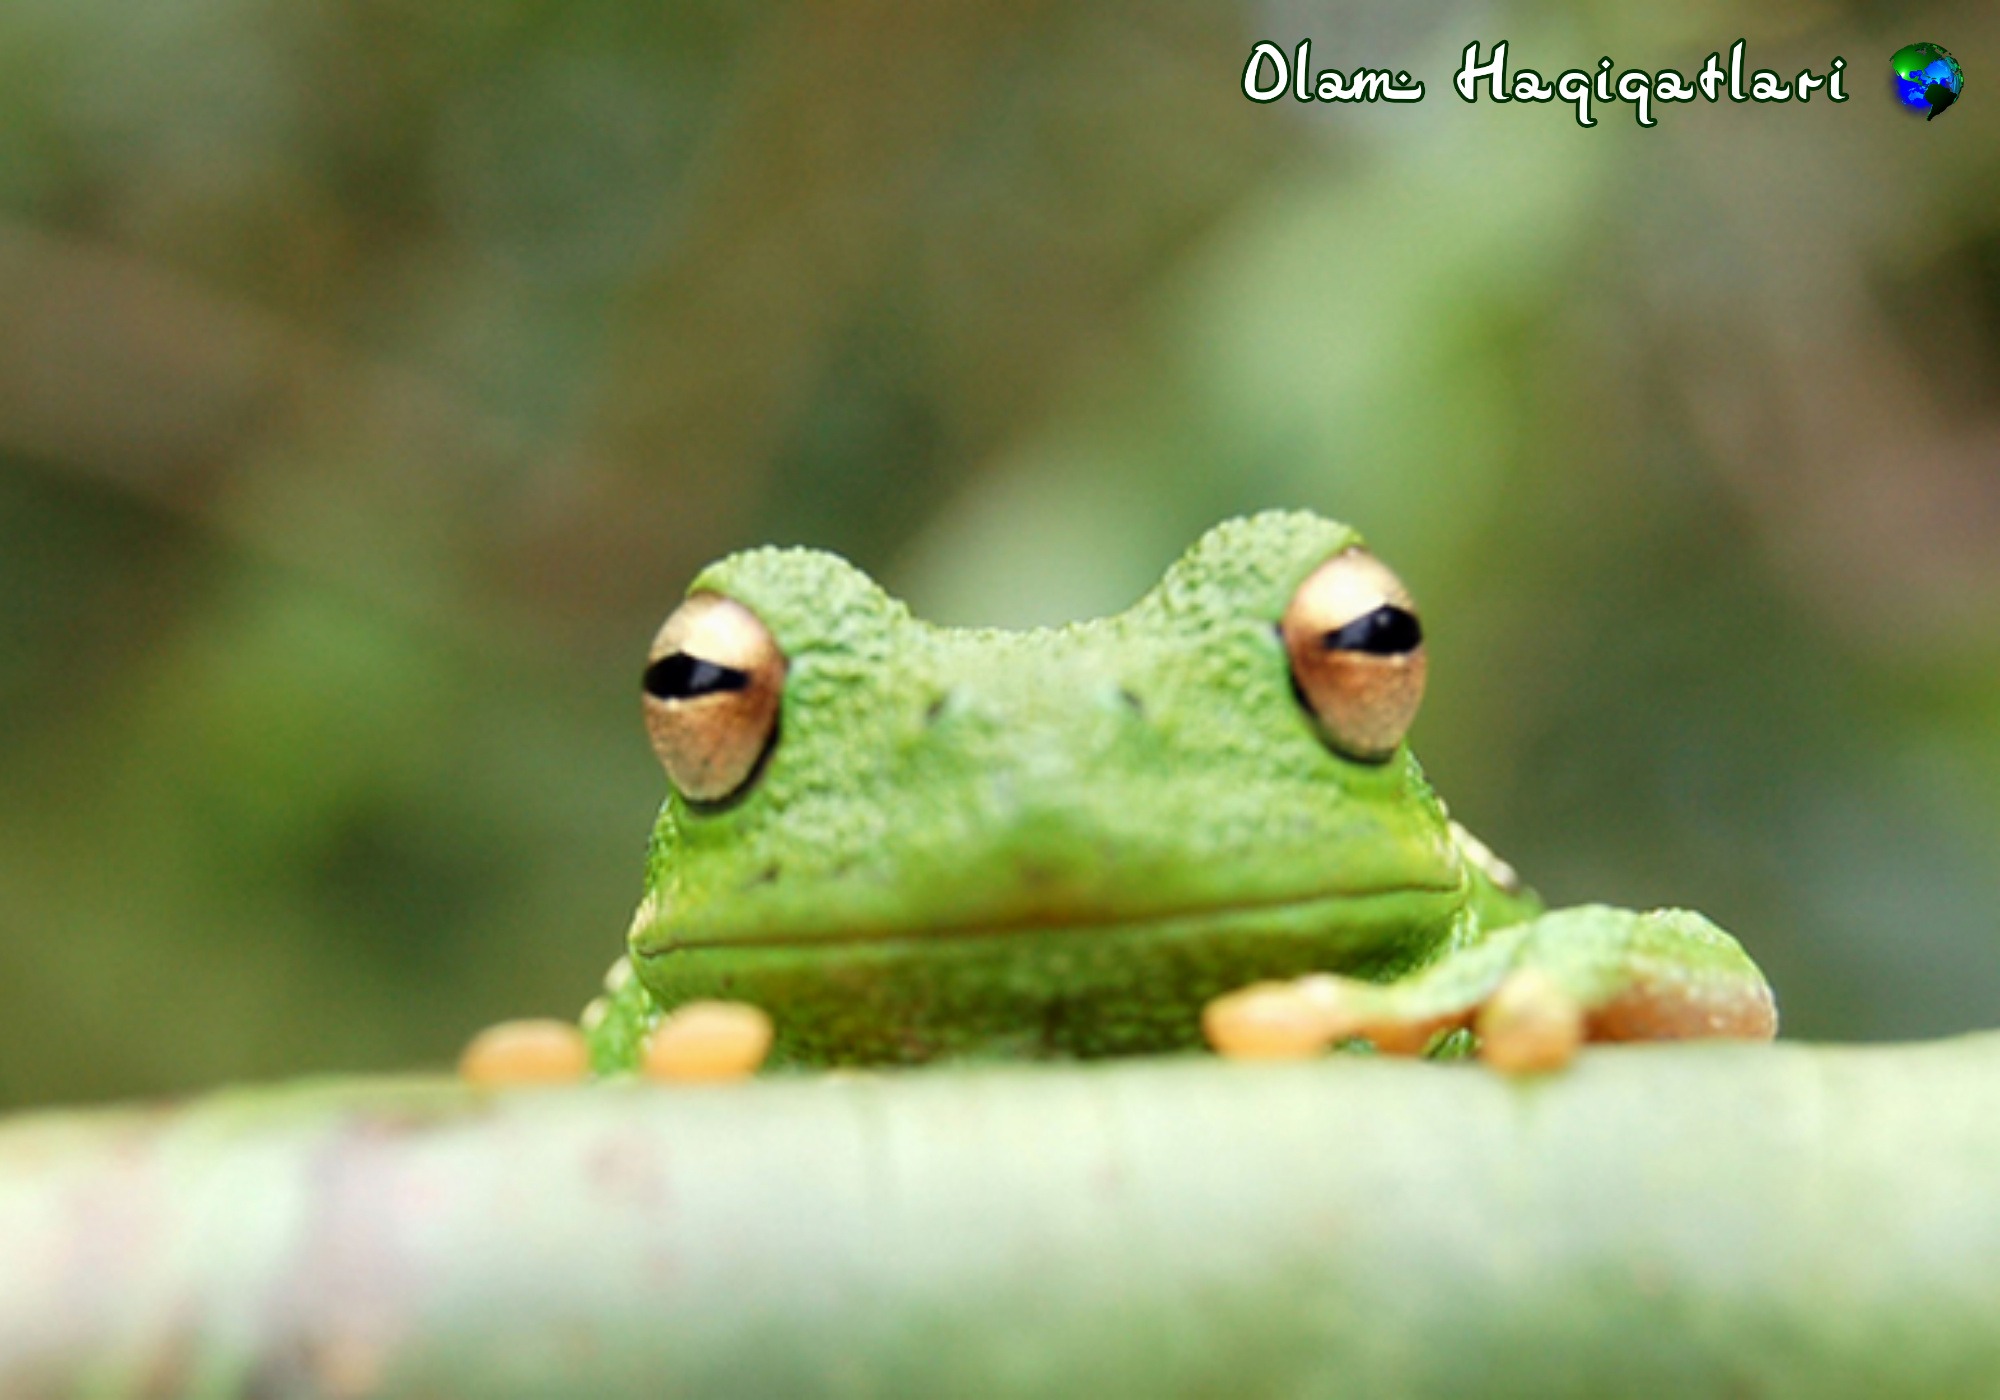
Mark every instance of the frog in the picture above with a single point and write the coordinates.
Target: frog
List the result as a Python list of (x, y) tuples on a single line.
[(1193, 825)]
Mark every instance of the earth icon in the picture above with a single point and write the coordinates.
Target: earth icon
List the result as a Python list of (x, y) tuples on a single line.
[(1927, 76)]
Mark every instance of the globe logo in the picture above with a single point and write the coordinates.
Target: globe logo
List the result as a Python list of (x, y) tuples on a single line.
[(1927, 77)]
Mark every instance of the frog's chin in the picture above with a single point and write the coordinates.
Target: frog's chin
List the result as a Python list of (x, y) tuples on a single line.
[(1038, 988)]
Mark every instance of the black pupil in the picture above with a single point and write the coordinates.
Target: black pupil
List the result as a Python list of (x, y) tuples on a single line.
[(684, 677), (1388, 631)]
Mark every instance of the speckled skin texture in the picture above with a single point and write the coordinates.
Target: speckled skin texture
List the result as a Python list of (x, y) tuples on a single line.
[(980, 843)]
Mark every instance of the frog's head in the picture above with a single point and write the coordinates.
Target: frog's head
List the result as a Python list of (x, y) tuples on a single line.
[(1209, 787)]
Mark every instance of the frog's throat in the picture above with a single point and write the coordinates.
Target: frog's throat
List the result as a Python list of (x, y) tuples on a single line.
[(1390, 912)]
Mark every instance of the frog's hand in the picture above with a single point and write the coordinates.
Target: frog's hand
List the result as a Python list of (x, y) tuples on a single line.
[(628, 1031), (612, 1040), (1532, 991)]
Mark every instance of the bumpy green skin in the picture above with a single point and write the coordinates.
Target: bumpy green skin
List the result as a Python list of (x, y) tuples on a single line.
[(1063, 842)]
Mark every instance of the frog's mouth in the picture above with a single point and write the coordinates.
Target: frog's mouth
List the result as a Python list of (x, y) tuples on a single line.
[(1082, 984), (1355, 919)]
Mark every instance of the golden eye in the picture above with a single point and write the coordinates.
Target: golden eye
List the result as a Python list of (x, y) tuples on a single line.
[(713, 678), (1357, 654)]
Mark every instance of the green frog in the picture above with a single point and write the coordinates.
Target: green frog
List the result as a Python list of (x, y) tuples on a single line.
[(1196, 822)]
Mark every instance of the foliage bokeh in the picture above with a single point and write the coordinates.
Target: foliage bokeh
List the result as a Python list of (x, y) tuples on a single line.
[(375, 373)]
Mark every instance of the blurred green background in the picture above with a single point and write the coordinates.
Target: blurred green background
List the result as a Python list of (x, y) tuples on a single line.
[(374, 374)]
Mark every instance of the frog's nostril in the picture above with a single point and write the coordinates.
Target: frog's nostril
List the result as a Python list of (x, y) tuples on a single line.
[(934, 711), (1132, 702)]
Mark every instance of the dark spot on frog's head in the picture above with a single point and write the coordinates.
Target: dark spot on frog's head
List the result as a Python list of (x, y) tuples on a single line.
[(768, 875), (1132, 702), (944, 703)]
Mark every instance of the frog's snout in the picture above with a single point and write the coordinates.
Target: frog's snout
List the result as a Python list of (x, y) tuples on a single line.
[(1041, 757)]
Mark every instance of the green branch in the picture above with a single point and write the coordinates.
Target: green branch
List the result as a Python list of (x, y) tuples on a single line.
[(1700, 1218)]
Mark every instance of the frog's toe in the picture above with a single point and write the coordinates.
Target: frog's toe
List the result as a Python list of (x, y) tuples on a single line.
[(1529, 1024), (525, 1052), (1266, 1021), (1391, 1019), (708, 1041), (1291, 1020)]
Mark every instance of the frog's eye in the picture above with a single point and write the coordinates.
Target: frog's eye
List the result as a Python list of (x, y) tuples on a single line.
[(1357, 654), (712, 683)]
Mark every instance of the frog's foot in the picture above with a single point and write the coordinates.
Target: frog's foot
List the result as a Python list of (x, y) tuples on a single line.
[(1532, 993), (525, 1052)]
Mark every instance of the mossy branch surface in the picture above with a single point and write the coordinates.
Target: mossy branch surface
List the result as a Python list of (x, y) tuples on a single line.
[(1702, 1218)]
